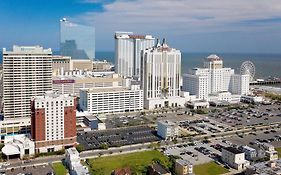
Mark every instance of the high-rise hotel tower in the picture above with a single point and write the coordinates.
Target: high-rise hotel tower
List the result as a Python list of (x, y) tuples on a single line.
[(27, 73), (128, 49), (161, 76)]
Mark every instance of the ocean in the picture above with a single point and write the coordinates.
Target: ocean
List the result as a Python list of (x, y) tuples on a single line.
[(266, 64)]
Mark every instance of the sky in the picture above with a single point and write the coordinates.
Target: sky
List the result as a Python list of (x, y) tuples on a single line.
[(217, 26)]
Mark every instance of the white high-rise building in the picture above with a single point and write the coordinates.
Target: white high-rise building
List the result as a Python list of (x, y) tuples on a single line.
[(240, 84), (53, 121), (27, 73), (128, 49), (214, 79), (196, 85), (161, 77), (111, 99)]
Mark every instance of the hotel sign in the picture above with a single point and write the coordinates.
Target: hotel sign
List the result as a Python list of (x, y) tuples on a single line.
[(63, 81)]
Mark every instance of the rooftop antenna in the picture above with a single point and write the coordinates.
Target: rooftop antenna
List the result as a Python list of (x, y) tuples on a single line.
[(164, 44), (157, 43)]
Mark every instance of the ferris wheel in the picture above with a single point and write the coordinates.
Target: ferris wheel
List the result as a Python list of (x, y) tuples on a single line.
[(248, 68)]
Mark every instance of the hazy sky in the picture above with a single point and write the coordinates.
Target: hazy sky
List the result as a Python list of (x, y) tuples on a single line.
[(190, 25)]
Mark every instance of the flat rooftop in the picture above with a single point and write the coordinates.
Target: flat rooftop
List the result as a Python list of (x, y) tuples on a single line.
[(99, 90), (233, 150)]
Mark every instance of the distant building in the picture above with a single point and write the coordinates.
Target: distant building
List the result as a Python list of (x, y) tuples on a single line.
[(81, 65), (264, 168), (157, 169), (240, 84), (53, 122), (270, 151), (14, 126), (251, 99), (111, 100), (61, 64), (250, 153), (183, 167), (128, 49), (196, 85), (94, 122), (102, 66), (27, 73), (215, 80), (18, 146), (234, 158), (167, 129), (73, 162), (198, 104), (161, 77), (71, 82), (76, 40)]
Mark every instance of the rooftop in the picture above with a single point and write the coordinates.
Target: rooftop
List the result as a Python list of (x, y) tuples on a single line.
[(53, 95), (213, 57), (167, 122), (84, 78), (104, 89), (183, 162), (233, 150), (72, 151), (159, 168), (28, 50)]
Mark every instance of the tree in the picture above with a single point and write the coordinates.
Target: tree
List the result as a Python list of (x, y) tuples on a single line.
[(104, 146), (80, 148)]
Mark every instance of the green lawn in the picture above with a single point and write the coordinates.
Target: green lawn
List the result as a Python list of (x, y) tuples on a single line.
[(279, 152), (209, 169), (138, 162), (59, 169)]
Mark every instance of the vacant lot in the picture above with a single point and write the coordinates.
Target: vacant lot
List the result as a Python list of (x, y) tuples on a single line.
[(59, 169), (209, 169), (138, 162)]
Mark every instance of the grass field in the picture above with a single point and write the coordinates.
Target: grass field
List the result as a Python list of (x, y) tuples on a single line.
[(279, 152), (138, 162), (209, 169), (59, 169)]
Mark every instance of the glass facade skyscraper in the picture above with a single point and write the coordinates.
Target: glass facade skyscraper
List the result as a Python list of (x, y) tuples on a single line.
[(76, 40)]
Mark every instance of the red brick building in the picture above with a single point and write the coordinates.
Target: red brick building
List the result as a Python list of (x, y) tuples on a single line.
[(53, 122)]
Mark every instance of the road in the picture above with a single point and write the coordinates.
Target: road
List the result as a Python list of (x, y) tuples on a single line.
[(83, 155), (126, 149)]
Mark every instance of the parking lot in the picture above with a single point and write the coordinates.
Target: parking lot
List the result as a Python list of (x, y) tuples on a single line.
[(258, 114), (199, 153), (117, 137), (31, 170), (266, 136), (117, 121)]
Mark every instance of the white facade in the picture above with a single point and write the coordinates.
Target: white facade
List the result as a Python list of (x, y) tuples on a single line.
[(234, 158), (18, 145), (72, 83), (270, 151), (183, 167), (161, 77), (15, 126), (250, 153), (54, 108), (73, 163), (128, 49), (240, 84), (167, 129), (27, 73), (214, 81), (108, 100), (196, 85)]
